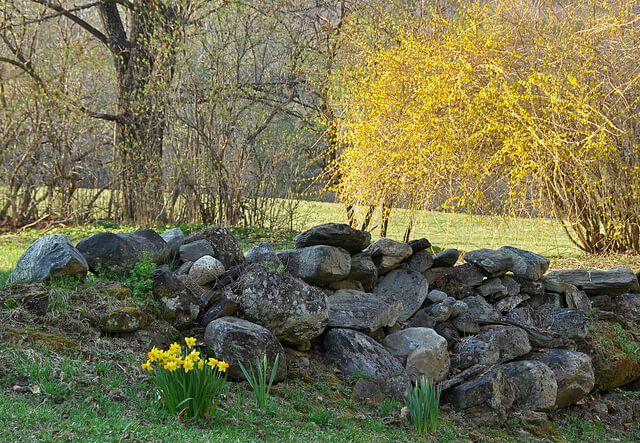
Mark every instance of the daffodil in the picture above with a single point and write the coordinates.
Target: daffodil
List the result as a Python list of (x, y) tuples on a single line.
[(194, 355), (200, 364), (175, 349), (191, 341), (171, 366), (212, 362), (222, 366), (187, 365), (147, 365)]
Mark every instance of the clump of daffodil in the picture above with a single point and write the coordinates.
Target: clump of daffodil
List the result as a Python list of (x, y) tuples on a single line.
[(187, 383)]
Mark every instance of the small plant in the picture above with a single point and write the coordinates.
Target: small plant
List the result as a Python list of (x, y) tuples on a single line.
[(258, 380), (188, 385), (626, 342), (423, 400), (139, 279)]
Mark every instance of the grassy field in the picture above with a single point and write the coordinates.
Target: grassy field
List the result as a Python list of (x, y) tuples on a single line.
[(444, 230)]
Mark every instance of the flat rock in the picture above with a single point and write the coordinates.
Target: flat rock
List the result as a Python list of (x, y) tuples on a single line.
[(294, 311), (121, 251), (526, 264), (492, 263), (236, 340), (223, 307), (334, 234), (193, 251), (353, 352), (360, 310), (49, 256), (317, 265), (408, 287), (615, 281), (536, 384), (227, 249), (509, 303), (446, 258), (573, 373)]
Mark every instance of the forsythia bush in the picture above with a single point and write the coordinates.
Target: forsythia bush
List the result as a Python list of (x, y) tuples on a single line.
[(187, 383)]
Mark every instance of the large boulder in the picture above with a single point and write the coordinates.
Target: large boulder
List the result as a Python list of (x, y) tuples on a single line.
[(536, 383), (360, 310), (364, 270), (526, 264), (615, 281), (177, 303), (317, 265), (294, 311), (424, 351), (387, 254), (334, 234), (226, 247), (49, 256), (487, 397), (408, 287), (492, 263), (120, 251), (573, 373), (355, 353), (236, 340)]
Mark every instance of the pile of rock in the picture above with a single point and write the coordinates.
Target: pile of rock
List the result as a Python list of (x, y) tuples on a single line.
[(496, 331)]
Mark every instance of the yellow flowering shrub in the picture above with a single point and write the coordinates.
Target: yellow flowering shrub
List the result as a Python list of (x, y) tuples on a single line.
[(186, 383)]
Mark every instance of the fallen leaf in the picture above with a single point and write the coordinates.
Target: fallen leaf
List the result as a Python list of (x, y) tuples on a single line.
[(35, 389)]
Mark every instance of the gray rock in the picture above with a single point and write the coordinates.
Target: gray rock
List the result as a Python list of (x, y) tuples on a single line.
[(360, 310), (573, 372), (184, 268), (442, 311), (487, 397), (526, 264), (420, 261), (195, 250), (510, 342), (626, 307), (471, 351), (529, 287), (449, 332), (436, 296), (466, 324), (492, 287), (221, 308), (419, 244), (615, 281), (49, 256), (421, 319), (423, 349), (355, 353), (120, 251), (458, 281), (205, 270), (263, 253), (408, 287), (177, 303), (236, 340), (480, 310), (509, 303), (227, 249), (446, 258), (570, 323), (363, 270), (317, 265), (334, 234), (174, 239), (294, 311), (577, 299), (513, 287), (459, 307), (492, 263), (127, 319), (387, 254), (536, 383)]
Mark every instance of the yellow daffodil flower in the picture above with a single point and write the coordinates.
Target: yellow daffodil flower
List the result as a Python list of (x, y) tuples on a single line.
[(212, 362), (194, 355), (187, 365), (175, 349), (171, 366), (191, 341), (200, 364), (147, 366), (222, 366)]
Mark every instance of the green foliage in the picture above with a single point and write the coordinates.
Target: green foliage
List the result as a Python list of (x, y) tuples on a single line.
[(423, 400), (139, 278), (69, 282), (626, 342), (258, 379)]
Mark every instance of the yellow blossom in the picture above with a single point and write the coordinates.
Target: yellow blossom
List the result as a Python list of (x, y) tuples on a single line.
[(171, 366), (147, 365), (212, 362), (187, 365), (191, 341), (194, 355), (175, 349), (200, 364), (154, 354), (222, 366)]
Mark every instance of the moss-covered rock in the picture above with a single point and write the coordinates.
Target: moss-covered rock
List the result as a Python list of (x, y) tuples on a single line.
[(38, 338), (127, 319)]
